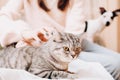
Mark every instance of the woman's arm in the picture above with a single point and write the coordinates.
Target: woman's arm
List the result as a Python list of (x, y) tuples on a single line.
[(12, 9), (10, 28), (75, 17)]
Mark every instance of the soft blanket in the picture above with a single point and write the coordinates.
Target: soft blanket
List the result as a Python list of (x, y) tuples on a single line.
[(86, 71)]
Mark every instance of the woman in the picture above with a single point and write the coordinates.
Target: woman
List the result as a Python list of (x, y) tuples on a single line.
[(63, 15)]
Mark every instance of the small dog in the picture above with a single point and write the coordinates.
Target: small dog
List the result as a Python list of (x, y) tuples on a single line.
[(97, 25)]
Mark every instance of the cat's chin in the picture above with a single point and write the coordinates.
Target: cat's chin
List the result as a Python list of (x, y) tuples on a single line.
[(66, 60)]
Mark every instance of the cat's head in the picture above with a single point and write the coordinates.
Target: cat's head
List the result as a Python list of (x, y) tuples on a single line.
[(65, 46)]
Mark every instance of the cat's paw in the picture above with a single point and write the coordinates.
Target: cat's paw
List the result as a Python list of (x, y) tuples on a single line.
[(73, 76)]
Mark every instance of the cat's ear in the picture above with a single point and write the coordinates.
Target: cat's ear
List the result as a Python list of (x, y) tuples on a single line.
[(81, 36), (57, 37), (102, 10)]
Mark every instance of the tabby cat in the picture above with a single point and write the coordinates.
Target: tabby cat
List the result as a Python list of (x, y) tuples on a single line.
[(48, 61)]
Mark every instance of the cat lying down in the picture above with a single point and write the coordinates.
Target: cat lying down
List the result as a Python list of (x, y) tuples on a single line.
[(47, 61)]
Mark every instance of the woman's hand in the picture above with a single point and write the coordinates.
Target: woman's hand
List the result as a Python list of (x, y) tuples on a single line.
[(35, 37)]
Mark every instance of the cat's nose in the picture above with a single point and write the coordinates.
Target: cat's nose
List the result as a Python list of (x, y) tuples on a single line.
[(73, 56)]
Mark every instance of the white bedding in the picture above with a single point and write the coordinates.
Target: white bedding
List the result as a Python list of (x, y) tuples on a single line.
[(86, 71)]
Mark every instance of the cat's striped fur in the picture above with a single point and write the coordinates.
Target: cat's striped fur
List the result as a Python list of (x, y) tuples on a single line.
[(48, 61)]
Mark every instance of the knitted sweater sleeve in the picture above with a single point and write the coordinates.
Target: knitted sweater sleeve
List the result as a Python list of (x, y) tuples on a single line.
[(10, 26), (12, 9)]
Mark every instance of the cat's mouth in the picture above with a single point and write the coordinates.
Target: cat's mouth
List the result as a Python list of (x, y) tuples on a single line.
[(75, 56)]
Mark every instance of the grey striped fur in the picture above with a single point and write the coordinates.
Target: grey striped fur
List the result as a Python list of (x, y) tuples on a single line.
[(48, 61)]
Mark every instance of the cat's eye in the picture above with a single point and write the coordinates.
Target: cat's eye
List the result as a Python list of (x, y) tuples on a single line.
[(66, 48), (78, 49)]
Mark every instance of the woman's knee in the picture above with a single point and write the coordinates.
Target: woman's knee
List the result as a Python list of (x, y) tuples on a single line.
[(110, 62), (90, 46)]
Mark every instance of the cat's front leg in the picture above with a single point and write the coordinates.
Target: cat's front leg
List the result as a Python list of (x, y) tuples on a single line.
[(54, 74), (63, 75), (59, 75)]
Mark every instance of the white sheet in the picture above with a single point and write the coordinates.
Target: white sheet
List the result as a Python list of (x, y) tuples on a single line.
[(89, 70), (86, 71)]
